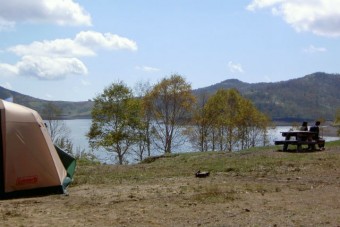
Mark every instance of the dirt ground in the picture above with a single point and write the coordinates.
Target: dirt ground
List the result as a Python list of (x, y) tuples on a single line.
[(295, 196)]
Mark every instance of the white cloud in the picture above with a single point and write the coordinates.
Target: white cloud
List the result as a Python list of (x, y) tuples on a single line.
[(51, 68), (257, 4), (314, 49), (147, 69), (56, 59), (321, 17), (84, 44), (235, 68), (58, 47), (8, 70), (61, 12), (45, 68), (107, 41)]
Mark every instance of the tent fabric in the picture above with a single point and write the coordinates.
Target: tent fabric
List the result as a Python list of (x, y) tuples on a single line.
[(29, 161), (68, 161)]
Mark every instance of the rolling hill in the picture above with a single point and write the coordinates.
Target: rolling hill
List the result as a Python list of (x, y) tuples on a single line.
[(311, 97), (307, 98), (70, 110)]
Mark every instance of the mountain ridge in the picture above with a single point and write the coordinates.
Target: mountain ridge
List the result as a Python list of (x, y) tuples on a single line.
[(69, 109), (311, 97), (314, 96)]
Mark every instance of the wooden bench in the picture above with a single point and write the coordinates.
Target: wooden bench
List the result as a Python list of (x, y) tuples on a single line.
[(297, 143)]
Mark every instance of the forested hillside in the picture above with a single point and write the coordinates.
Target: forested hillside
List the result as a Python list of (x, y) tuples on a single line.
[(307, 98), (69, 110)]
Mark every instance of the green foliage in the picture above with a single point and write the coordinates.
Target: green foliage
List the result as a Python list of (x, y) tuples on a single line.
[(312, 97), (116, 117), (225, 120), (69, 110), (170, 103), (337, 120)]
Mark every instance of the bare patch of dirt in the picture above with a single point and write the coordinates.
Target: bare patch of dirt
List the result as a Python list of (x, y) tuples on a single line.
[(295, 196)]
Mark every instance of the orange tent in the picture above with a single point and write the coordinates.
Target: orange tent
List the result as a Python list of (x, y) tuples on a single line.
[(29, 162)]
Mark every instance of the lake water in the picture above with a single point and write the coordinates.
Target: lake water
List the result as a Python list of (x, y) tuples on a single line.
[(80, 127)]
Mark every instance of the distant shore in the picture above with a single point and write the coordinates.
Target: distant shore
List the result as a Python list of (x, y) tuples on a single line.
[(327, 129)]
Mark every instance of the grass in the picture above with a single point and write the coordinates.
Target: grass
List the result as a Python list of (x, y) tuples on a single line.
[(257, 162), (215, 192)]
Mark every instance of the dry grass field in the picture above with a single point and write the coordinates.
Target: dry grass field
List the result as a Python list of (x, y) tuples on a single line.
[(260, 187)]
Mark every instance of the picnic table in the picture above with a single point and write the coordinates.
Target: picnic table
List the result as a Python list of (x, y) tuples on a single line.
[(299, 138)]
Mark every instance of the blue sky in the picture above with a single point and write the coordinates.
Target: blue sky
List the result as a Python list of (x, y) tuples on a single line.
[(71, 50)]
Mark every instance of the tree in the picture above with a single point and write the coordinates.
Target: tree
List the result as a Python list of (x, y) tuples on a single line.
[(200, 128), (170, 102), (234, 121), (222, 108), (252, 125), (337, 120), (115, 120), (57, 128), (141, 90)]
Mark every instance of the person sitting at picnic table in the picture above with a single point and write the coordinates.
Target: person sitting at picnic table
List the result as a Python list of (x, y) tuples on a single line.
[(304, 126), (315, 128)]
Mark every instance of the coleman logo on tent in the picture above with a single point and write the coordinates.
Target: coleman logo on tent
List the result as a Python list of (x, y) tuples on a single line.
[(27, 180)]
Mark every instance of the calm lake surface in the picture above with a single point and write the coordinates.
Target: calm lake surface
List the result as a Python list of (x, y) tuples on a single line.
[(80, 127)]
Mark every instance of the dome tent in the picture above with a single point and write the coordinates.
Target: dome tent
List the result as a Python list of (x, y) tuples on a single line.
[(29, 162)]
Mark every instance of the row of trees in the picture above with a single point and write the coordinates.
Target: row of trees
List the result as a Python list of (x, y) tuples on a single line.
[(227, 120), (123, 123)]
